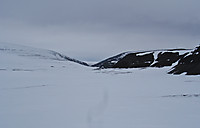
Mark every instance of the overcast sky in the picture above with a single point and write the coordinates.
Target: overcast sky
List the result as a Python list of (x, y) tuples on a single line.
[(95, 29)]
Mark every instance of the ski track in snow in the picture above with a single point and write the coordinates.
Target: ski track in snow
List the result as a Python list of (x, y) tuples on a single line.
[(25, 87), (182, 95), (95, 116), (113, 72)]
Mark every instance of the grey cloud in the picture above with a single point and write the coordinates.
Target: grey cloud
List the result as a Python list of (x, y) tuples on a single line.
[(111, 25), (107, 11)]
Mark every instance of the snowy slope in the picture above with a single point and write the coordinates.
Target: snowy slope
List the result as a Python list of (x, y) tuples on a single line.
[(36, 92), (36, 53)]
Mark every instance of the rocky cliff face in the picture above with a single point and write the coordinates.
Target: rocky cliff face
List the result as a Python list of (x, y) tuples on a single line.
[(179, 60)]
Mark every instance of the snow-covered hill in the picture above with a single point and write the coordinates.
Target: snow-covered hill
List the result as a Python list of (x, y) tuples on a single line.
[(39, 89), (143, 59), (36, 53), (178, 60)]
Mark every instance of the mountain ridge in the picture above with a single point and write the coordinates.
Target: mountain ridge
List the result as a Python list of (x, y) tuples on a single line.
[(178, 60), (188, 60)]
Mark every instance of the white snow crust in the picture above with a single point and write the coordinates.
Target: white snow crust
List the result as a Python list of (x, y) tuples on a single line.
[(48, 93)]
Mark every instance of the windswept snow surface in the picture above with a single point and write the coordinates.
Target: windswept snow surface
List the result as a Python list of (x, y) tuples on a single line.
[(48, 93)]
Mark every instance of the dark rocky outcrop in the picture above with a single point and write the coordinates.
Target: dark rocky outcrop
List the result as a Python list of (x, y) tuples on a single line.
[(133, 60), (154, 58), (166, 59), (189, 64), (108, 63), (183, 60)]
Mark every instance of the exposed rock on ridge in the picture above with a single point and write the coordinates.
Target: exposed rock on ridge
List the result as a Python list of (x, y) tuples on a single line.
[(189, 64), (154, 58), (181, 60)]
